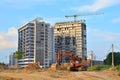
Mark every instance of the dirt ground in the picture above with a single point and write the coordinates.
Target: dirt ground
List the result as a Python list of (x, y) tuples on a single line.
[(58, 75)]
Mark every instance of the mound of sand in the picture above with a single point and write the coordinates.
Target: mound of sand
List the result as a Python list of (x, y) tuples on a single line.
[(33, 66), (63, 66), (2, 68)]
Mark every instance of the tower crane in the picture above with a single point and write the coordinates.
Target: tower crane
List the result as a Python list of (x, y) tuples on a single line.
[(76, 15)]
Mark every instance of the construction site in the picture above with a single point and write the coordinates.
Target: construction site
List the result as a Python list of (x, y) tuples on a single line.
[(70, 57), (77, 69), (34, 72)]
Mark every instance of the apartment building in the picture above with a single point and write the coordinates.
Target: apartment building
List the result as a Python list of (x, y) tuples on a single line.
[(51, 44), (71, 36), (33, 40), (12, 60)]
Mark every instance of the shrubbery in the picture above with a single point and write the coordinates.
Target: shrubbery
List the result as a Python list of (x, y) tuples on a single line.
[(99, 67), (103, 67), (108, 60), (117, 67)]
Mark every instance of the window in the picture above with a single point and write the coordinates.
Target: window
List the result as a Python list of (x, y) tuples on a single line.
[(42, 24), (30, 24), (58, 29)]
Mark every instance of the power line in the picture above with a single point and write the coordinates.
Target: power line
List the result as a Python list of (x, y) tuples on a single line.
[(116, 47), (108, 51)]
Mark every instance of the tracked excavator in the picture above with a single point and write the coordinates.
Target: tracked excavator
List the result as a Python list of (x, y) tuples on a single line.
[(77, 64)]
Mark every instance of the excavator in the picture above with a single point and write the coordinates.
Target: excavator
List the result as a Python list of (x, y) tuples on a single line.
[(77, 64)]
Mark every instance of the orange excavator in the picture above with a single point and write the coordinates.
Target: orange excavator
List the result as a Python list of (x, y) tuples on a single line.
[(76, 63)]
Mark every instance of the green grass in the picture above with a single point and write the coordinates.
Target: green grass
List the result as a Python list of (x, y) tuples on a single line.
[(103, 67), (99, 67), (117, 67)]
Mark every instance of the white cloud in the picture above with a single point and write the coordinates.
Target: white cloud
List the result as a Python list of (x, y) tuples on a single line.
[(104, 35), (12, 31), (97, 5), (8, 39)]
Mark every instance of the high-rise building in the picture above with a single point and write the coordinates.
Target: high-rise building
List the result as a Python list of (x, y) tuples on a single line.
[(33, 40), (12, 60), (51, 44), (71, 36)]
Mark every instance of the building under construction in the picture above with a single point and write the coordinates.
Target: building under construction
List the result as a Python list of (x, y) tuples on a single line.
[(71, 36)]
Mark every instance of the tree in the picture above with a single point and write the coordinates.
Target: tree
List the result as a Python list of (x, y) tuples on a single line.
[(108, 60), (18, 55)]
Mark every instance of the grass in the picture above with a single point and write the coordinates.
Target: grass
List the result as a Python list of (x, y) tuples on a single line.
[(117, 67), (104, 67), (99, 67)]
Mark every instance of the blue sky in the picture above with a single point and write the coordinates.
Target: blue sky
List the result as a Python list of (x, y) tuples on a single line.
[(102, 30)]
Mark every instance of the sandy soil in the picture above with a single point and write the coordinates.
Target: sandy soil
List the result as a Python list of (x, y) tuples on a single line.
[(59, 75)]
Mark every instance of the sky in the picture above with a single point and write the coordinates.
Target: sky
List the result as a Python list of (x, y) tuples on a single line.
[(103, 30)]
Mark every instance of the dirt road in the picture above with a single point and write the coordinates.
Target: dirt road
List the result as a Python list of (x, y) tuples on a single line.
[(61, 75)]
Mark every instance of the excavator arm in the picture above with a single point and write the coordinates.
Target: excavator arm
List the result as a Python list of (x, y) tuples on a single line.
[(69, 54)]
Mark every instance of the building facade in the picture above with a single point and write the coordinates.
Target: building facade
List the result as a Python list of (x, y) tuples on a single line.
[(51, 44), (12, 60), (71, 36), (33, 41)]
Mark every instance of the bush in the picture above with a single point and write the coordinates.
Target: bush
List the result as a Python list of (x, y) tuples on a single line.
[(94, 68), (106, 67), (117, 67), (99, 67)]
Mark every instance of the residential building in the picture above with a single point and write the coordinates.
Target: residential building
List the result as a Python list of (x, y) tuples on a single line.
[(33, 41), (51, 44), (91, 56), (71, 36), (12, 60)]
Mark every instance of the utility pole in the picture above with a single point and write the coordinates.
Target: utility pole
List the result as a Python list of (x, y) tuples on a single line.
[(113, 56)]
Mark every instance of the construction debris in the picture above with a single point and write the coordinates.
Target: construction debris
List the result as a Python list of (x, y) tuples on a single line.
[(63, 66), (33, 66), (15, 67), (2, 68)]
